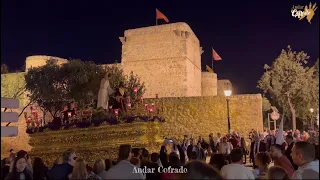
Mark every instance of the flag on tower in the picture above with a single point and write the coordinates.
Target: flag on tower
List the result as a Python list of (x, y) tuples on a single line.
[(209, 69), (160, 15), (215, 55)]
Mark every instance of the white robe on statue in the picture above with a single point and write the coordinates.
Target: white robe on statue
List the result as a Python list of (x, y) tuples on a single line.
[(103, 95)]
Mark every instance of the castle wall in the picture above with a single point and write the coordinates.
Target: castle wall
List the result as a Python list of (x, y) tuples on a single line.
[(166, 58), (36, 61), (13, 84), (208, 84), (165, 77), (224, 84)]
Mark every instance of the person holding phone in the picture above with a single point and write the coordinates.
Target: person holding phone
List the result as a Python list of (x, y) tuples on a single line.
[(170, 160)]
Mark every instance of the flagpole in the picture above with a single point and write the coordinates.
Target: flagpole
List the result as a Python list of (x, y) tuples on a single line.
[(156, 18), (211, 59)]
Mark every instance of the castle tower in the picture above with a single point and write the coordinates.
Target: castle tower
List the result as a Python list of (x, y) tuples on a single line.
[(224, 84), (40, 60), (166, 57), (209, 83)]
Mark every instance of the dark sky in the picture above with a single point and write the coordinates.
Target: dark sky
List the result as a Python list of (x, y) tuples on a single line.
[(246, 34)]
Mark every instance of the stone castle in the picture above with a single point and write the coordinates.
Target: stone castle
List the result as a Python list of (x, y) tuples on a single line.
[(167, 58)]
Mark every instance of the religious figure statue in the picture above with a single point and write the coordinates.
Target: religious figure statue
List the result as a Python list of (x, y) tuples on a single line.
[(120, 97), (104, 92)]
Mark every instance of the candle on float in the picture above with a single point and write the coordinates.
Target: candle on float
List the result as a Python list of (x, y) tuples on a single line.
[(116, 112), (152, 104)]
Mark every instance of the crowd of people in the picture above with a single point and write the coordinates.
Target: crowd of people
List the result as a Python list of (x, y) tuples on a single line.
[(294, 158)]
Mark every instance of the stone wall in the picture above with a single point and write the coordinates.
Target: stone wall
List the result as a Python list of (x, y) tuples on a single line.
[(224, 84), (190, 115), (166, 57), (204, 115), (36, 61), (209, 84), (11, 85)]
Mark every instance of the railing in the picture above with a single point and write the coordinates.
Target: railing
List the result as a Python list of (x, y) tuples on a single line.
[(8, 103)]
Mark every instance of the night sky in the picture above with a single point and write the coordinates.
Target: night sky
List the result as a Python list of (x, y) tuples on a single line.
[(246, 34)]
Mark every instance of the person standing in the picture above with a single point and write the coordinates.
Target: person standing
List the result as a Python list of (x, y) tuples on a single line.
[(236, 170), (212, 143), (256, 146), (243, 147), (289, 140), (124, 169), (280, 159), (225, 147), (19, 170), (303, 155)]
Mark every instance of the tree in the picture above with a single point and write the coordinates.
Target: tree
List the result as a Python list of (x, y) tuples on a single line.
[(53, 86), (82, 81), (4, 69), (13, 86), (266, 106), (130, 82), (44, 85), (291, 84)]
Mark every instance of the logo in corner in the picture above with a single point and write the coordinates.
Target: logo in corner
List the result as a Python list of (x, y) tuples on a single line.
[(302, 12)]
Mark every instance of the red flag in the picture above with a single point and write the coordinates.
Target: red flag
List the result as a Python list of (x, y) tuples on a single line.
[(215, 55), (161, 16)]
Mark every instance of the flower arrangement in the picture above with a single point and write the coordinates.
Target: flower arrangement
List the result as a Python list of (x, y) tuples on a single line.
[(95, 121), (136, 111)]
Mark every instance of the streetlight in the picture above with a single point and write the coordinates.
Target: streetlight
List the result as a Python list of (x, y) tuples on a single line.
[(228, 93)]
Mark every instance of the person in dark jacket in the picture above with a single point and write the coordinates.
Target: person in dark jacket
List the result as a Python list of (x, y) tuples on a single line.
[(212, 143), (19, 170), (5, 167), (154, 164), (289, 140), (256, 146), (190, 148), (108, 163), (39, 169), (62, 171), (173, 159)]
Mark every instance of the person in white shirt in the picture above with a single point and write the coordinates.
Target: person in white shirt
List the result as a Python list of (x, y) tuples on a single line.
[(236, 170), (224, 147), (124, 169), (217, 139), (303, 155)]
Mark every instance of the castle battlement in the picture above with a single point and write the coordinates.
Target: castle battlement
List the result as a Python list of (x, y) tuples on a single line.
[(180, 28)]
